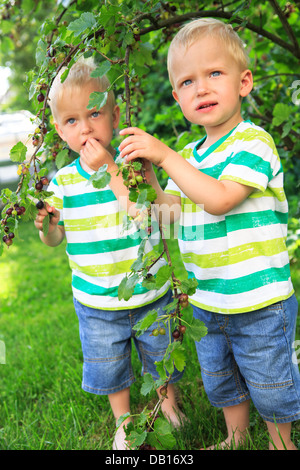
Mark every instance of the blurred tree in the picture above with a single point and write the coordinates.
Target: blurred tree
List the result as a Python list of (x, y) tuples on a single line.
[(36, 36)]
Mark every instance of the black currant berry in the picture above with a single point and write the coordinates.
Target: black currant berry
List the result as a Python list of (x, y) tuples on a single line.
[(40, 97), (182, 329), (20, 210), (44, 180), (184, 300), (176, 334), (7, 240), (39, 205), (39, 186)]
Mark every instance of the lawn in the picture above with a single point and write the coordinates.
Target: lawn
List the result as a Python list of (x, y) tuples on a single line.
[(42, 406)]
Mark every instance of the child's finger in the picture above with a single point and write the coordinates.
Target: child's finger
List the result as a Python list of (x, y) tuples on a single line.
[(127, 144), (132, 130)]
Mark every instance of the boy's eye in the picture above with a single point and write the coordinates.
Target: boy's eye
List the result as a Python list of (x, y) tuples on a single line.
[(215, 74), (95, 114), (187, 82), (71, 121)]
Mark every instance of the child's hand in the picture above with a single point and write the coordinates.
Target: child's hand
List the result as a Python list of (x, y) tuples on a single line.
[(54, 219), (94, 155), (139, 144)]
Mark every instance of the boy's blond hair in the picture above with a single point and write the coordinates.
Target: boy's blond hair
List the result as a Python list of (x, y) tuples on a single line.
[(196, 29), (79, 76)]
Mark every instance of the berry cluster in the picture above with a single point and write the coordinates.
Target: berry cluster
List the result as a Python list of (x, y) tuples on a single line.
[(8, 239), (158, 331), (13, 211), (37, 137), (133, 178), (16, 209), (41, 183)]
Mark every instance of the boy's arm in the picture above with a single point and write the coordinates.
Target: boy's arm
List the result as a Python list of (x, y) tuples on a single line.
[(217, 197), (56, 233), (94, 155)]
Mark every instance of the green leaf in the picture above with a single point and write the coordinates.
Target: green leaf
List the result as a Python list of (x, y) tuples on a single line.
[(187, 313), (197, 330), (136, 438), (122, 418), (128, 39), (137, 166), (126, 287), (86, 22), (41, 52), (62, 158), (101, 70), (189, 286), (143, 55), (148, 384), (46, 222), (281, 113), (151, 193), (97, 100), (142, 199), (178, 356), (163, 275), (145, 323), (133, 195), (138, 264), (161, 438), (100, 178), (161, 370), (18, 152), (149, 283)]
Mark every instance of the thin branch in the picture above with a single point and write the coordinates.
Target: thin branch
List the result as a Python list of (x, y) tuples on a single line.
[(266, 77), (176, 19), (127, 88), (285, 24)]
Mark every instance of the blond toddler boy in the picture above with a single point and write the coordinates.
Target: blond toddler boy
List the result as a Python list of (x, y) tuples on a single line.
[(228, 188), (100, 253)]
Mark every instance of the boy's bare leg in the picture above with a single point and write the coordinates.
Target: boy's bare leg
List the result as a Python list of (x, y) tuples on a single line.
[(170, 408), (237, 423), (279, 434), (120, 404)]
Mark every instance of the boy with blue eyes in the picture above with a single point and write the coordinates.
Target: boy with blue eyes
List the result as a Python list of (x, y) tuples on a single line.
[(100, 250), (228, 187)]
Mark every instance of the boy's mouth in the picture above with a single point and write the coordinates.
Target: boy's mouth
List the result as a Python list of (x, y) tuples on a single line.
[(83, 144), (206, 106)]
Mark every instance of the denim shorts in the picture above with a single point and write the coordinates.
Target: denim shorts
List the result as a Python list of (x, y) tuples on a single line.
[(106, 345), (251, 356)]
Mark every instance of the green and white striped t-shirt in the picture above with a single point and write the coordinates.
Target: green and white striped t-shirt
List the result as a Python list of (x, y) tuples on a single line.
[(100, 251), (239, 259)]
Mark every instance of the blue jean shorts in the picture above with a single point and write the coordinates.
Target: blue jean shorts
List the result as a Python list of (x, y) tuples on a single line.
[(106, 345), (251, 356)]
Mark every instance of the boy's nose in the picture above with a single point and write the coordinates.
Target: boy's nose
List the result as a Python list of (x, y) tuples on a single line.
[(85, 127), (201, 87)]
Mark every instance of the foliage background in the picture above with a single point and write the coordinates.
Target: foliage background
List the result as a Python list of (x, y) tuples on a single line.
[(270, 31)]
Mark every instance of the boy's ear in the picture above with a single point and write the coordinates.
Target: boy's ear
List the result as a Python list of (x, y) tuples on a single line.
[(175, 96), (59, 131), (246, 83), (116, 116)]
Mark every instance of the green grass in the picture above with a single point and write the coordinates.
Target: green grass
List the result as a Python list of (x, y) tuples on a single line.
[(42, 406)]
